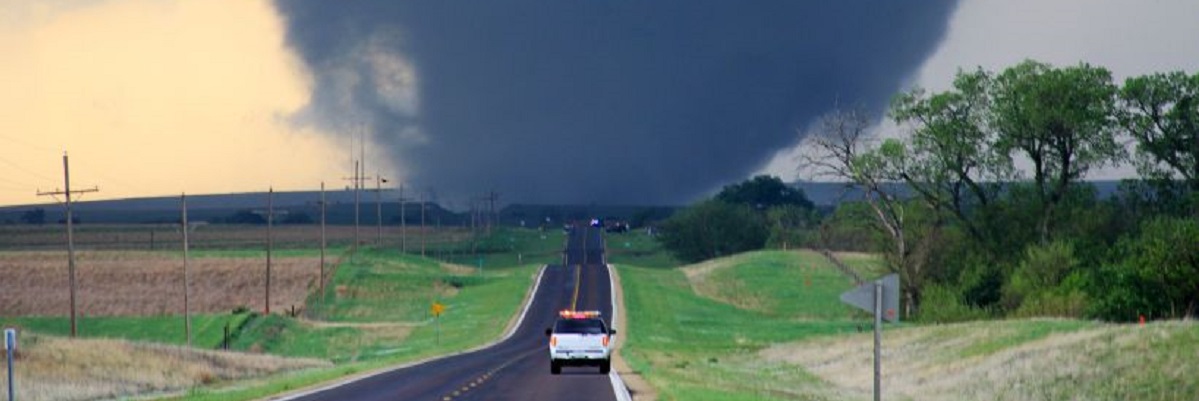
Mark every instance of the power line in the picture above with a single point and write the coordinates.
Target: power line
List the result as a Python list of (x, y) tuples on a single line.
[(28, 144), (28, 171)]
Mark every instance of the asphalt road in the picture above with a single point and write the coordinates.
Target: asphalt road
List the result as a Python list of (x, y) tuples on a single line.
[(517, 368)]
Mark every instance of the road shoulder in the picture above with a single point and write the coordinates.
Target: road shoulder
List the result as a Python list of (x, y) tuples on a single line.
[(638, 386)]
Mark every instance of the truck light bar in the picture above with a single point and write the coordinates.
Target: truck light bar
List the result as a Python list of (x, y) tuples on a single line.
[(570, 314)]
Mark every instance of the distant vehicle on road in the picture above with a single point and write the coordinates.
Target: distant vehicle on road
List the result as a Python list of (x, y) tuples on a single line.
[(580, 338), (597, 223)]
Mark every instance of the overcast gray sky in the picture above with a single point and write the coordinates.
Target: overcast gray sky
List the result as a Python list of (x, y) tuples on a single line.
[(1129, 37)]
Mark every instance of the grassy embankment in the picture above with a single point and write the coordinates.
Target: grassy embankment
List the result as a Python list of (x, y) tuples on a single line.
[(372, 314), (769, 326)]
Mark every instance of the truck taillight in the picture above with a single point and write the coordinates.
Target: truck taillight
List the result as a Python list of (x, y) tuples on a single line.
[(605, 341), (554, 341)]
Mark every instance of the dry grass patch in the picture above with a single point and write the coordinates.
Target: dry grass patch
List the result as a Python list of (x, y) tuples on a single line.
[(124, 283), (53, 368), (732, 292), (1015, 360)]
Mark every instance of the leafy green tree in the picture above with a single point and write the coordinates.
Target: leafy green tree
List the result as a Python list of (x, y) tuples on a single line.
[(844, 149), (790, 225), (1161, 111), (1043, 268), (712, 229), (1155, 273), (764, 192), (948, 158), (1061, 119)]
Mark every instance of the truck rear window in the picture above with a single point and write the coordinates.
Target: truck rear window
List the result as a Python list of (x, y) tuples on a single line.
[(580, 326)]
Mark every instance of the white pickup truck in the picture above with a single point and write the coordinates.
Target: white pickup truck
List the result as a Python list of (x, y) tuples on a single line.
[(580, 339)]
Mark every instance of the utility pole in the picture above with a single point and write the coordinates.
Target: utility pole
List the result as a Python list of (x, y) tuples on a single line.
[(321, 282), (187, 318), (379, 209), (66, 173), (357, 186), (379, 181), (403, 222), (493, 218), (359, 180), (270, 243), (423, 234)]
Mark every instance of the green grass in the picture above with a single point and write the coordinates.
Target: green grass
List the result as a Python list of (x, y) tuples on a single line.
[(798, 285), (1018, 332), (207, 330), (474, 316), (636, 248), (378, 305), (505, 247), (692, 347)]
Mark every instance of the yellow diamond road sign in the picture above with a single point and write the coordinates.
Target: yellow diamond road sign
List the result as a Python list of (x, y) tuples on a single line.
[(437, 309)]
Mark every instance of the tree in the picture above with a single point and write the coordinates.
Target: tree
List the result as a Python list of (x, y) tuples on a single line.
[(1061, 119), (246, 217), (948, 159), (712, 229), (1155, 273), (843, 149), (764, 192), (297, 218), (35, 216), (1161, 112)]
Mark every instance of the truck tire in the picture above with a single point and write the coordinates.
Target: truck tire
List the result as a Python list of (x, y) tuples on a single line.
[(606, 366), (555, 368)]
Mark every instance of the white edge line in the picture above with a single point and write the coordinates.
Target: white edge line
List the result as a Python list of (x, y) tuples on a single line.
[(509, 334), (618, 386)]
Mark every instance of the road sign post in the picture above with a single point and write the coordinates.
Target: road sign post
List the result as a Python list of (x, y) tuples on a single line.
[(10, 347), (437, 309), (882, 298)]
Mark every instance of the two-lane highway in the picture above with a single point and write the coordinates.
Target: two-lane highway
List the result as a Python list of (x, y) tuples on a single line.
[(517, 368)]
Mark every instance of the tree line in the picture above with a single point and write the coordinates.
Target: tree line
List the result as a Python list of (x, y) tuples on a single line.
[(994, 218)]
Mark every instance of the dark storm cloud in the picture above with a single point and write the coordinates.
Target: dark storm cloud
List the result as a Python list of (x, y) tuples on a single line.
[(599, 101)]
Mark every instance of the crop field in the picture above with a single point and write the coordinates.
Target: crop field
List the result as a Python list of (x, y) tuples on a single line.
[(217, 236), (140, 283)]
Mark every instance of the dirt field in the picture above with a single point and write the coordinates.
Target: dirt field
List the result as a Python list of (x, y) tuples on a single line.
[(122, 283)]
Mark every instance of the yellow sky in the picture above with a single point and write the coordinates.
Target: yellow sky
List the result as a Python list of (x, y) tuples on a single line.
[(154, 97)]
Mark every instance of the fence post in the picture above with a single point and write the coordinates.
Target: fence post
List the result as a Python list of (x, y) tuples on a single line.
[(10, 346)]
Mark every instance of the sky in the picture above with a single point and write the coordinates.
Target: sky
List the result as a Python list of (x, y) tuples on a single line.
[(152, 97), (1128, 37), (608, 102)]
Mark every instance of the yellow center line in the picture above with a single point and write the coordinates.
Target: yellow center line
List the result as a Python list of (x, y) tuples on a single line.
[(574, 302)]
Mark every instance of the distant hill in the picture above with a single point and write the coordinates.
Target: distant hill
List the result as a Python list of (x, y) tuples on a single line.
[(832, 193), (218, 208)]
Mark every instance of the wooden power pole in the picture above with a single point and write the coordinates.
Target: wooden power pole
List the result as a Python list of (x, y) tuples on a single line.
[(67, 192), (270, 243), (321, 282), (187, 317), (403, 222)]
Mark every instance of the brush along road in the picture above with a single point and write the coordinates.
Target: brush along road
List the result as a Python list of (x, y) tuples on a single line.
[(515, 368)]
